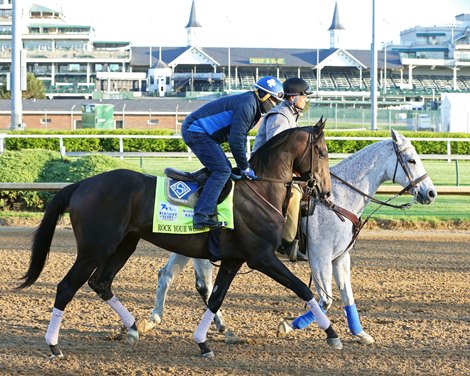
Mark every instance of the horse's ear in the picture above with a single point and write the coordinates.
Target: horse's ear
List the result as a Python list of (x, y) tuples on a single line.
[(321, 124), (396, 137)]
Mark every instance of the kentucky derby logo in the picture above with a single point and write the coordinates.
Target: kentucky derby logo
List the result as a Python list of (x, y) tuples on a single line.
[(167, 212), (180, 188)]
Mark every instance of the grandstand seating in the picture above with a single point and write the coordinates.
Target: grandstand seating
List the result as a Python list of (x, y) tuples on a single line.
[(347, 80)]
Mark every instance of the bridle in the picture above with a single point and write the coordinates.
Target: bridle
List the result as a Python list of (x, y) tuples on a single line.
[(308, 176), (412, 182), (312, 189), (406, 169)]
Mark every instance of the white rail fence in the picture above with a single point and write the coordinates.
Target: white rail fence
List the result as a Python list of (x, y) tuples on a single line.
[(121, 153), (444, 190)]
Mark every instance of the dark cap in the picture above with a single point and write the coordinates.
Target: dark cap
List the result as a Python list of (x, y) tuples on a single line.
[(296, 86)]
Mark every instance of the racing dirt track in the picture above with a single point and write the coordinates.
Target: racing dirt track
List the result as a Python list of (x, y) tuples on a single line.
[(411, 289)]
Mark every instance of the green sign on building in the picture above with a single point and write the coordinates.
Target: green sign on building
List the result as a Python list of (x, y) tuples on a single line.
[(98, 116), (267, 60)]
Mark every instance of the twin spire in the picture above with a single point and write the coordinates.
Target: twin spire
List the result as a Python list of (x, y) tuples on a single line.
[(193, 26)]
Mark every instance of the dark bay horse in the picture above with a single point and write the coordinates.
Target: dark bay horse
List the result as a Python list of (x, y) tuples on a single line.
[(112, 211)]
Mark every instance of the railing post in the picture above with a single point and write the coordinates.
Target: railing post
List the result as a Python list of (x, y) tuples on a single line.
[(457, 180), (121, 148), (61, 147), (2, 142), (448, 151), (189, 153)]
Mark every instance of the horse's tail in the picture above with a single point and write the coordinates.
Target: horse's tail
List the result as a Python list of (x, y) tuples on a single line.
[(45, 232)]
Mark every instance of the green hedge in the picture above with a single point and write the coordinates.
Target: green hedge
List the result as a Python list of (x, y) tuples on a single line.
[(38, 165), (174, 145)]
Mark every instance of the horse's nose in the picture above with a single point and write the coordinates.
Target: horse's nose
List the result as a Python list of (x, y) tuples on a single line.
[(432, 194)]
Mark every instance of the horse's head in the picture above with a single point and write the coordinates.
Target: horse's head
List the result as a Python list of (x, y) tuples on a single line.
[(312, 163), (409, 172)]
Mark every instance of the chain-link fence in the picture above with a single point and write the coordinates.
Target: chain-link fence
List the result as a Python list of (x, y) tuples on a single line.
[(339, 118)]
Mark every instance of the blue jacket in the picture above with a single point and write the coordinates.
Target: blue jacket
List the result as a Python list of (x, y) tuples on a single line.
[(229, 119)]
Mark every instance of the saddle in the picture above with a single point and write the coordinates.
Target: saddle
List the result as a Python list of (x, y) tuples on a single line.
[(184, 188)]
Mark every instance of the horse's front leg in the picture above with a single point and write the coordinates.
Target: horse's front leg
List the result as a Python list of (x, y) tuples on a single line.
[(274, 268), (322, 272), (342, 274), (227, 271), (203, 270)]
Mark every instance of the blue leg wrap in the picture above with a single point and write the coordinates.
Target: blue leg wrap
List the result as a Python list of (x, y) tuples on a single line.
[(303, 320), (353, 319)]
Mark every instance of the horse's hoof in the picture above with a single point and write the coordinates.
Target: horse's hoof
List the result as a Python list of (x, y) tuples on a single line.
[(283, 329), (205, 350), (132, 338), (365, 338), (221, 328), (155, 318), (207, 355), (334, 343), (56, 353)]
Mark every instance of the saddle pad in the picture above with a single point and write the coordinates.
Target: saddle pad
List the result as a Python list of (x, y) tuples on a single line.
[(180, 192), (170, 218)]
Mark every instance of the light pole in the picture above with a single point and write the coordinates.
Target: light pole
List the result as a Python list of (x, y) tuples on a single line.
[(123, 108), (71, 117), (373, 76), (15, 70), (229, 69), (176, 119), (385, 68)]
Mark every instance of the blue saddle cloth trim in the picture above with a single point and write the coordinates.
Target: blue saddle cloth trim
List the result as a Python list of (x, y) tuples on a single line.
[(181, 192)]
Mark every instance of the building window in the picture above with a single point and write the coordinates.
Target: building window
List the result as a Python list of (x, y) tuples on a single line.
[(45, 121)]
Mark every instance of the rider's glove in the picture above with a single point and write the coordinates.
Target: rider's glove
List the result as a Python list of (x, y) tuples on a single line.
[(249, 174)]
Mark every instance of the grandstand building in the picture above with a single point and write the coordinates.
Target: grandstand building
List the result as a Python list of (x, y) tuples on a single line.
[(66, 57), (428, 62)]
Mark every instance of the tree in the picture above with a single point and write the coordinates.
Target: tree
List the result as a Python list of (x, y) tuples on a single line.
[(34, 89)]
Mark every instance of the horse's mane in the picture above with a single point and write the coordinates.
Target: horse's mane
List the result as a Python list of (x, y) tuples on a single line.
[(262, 155), (367, 150)]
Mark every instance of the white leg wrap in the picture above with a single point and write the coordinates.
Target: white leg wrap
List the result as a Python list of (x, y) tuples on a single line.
[(203, 327), (126, 317), (322, 320), (52, 334)]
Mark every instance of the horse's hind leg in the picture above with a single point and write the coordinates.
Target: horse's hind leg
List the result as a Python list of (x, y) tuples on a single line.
[(176, 263), (342, 274), (203, 271), (66, 289), (102, 279)]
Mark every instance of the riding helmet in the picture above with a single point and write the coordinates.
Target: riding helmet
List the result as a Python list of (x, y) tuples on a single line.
[(269, 85), (296, 86)]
